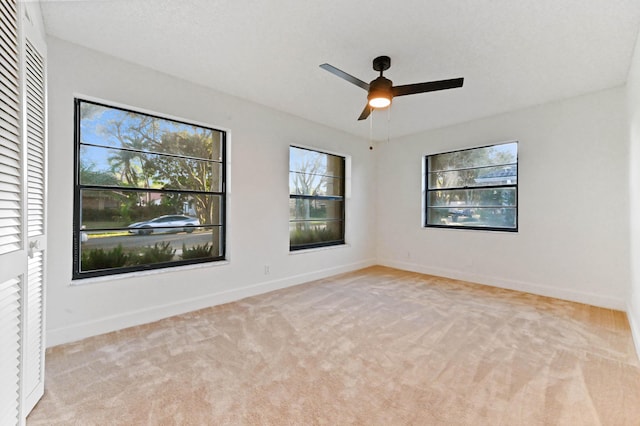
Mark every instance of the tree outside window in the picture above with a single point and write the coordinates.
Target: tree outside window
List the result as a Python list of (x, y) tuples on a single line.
[(473, 188), (149, 191), (316, 199)]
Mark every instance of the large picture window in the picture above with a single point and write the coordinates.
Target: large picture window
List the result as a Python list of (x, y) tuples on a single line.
[(473, 188), (316, 199), (149, 191)]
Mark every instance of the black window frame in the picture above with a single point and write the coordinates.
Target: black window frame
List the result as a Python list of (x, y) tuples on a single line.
[(342, 198), (77, 273), (428, 190)]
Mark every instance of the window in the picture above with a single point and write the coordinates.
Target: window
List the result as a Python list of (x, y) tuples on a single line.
[(473, 188), (149, 192), (316, 199)]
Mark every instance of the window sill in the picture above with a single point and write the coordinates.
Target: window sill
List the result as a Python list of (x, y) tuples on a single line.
[(138, 274), (315, 249), (470, 229)]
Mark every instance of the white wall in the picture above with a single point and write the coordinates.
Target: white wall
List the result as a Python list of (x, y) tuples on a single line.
[(633, 102), (258, 200), (573, 238)]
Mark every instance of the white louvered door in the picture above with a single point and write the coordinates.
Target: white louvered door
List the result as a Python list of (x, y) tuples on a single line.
[(22, 214), (33, 341), (13, 253)]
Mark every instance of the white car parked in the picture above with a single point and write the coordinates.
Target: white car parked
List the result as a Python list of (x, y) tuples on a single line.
[(165, 224)]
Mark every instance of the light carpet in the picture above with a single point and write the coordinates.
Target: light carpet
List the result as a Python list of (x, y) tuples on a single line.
[(373, 347)]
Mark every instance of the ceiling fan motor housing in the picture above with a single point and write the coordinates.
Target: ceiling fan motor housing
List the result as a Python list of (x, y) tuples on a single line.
[(380, 88)]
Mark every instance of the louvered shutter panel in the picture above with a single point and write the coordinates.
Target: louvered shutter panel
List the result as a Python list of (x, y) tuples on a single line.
[(11, 249), (35, 138), (33, 343), (33, 340), (10, 337), (10, 153)]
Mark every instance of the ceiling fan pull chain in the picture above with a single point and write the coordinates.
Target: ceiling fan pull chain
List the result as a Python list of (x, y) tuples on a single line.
[(388, 123), (371, 130)]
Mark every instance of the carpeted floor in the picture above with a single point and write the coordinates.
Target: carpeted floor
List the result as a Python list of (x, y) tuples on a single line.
[(373, 347)]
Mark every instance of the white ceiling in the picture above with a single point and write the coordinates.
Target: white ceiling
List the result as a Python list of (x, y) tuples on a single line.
[(512, 53)]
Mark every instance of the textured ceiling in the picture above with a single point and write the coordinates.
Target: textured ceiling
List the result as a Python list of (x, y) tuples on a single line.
[(512, 53)]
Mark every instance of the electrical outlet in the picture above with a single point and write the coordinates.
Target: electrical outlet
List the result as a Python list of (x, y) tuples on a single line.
[(267, 269)]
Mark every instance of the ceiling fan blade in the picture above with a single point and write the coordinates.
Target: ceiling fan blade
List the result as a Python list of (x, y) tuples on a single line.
[(431, 86), (365, 112), (343, 75)]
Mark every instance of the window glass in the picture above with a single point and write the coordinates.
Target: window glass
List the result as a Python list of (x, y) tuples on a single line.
[(149, 191), (111, 127), (474, 188), (115, 167), (316, 198)]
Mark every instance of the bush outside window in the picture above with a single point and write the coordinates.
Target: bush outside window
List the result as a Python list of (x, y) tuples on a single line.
[(149, 191), (473, 188), (316, 199)]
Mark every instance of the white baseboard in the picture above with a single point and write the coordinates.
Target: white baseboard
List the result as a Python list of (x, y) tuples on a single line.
[(634, 323), (103, 325), (534, 288)]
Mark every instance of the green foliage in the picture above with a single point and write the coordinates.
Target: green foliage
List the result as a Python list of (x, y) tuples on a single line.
[(95, 215), (197, 252), (161, 252), (139, 213), (96, 177), (438, 216), (186, 172), (96, 259), (103, 259), (314, 234)]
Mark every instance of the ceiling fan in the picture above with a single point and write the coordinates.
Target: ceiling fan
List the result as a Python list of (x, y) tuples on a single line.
[(381, 90)]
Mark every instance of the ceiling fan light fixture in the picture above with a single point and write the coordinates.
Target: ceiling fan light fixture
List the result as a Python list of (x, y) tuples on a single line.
[(379, 102), (380, 93)]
